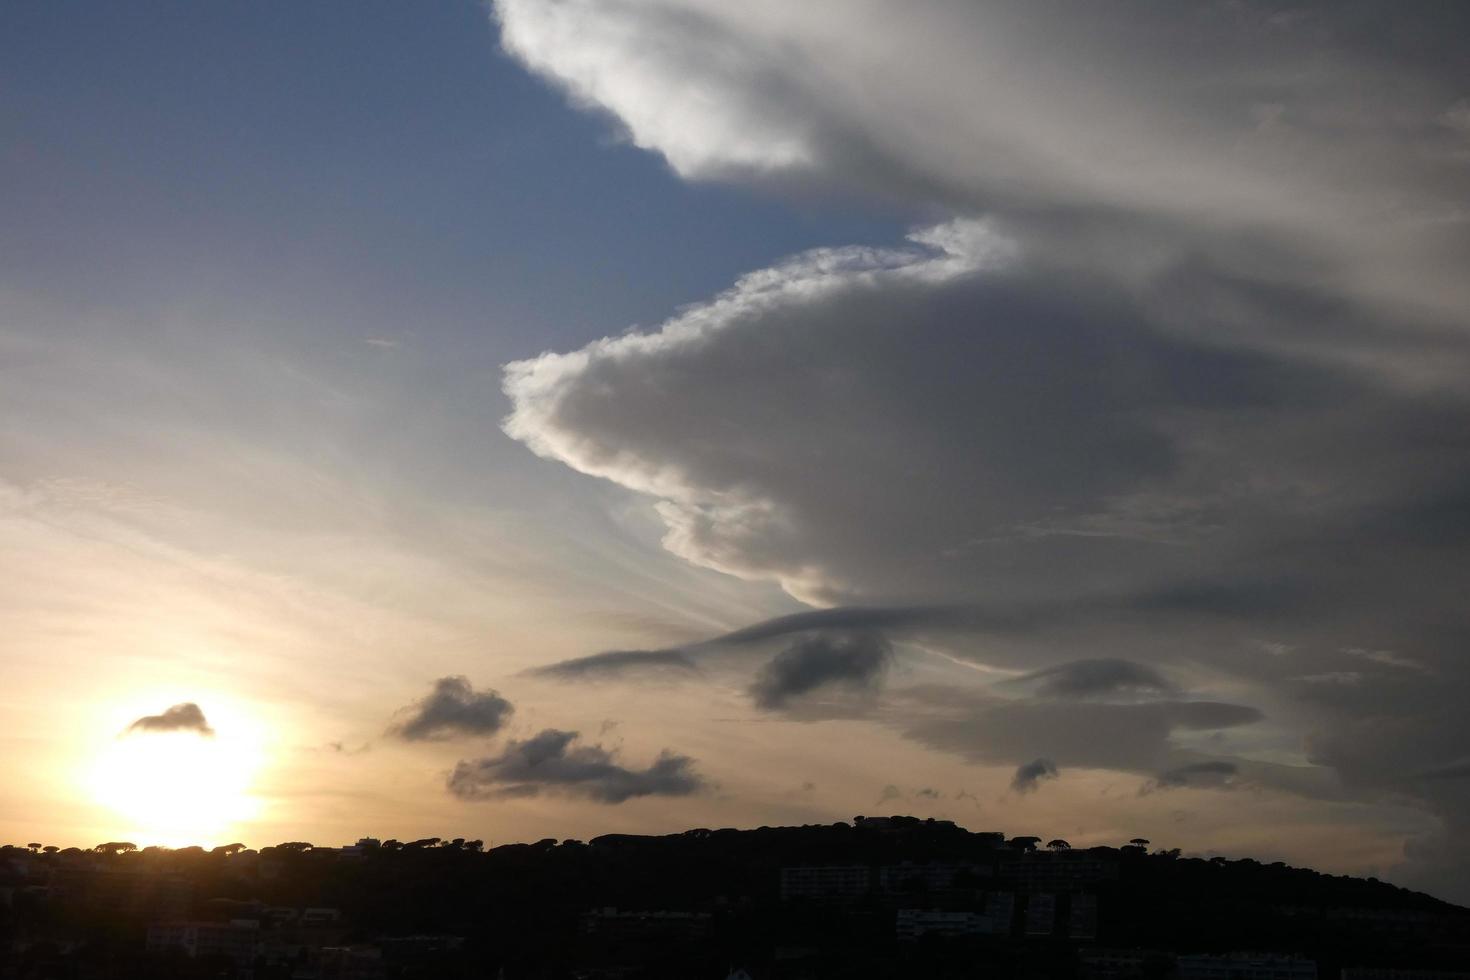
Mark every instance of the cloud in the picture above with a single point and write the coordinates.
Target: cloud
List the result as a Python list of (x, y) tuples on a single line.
[(1388, 658), (1096, 677), (1182, 599), (854, 661), (186, 717), (977, 111), (928, 793), (867, 619), (1214, 772), (1229, 490), (454, 708), (1176, 369), (617, 663), (1451, 770), (550, 762), (1030, 775), (1129, 431), (1080, 734)]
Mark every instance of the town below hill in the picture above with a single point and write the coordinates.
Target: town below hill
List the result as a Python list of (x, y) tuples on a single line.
[(889, 897)]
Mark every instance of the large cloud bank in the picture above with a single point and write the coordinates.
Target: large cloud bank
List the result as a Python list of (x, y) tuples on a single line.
[(1181, 363)]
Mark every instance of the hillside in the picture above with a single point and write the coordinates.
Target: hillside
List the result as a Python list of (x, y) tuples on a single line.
[(874, 897)]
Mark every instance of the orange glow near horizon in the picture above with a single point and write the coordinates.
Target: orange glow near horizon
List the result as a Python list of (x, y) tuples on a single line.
[(179, 788)]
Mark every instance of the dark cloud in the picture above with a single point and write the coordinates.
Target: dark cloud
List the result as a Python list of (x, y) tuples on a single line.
[(1096, 677), (846, 619), (859, 618), (928, 793), (1080, 734), (551, 762), (1030, 775), (1214, 772), (186, 717), (617, 663), (454, 708), (1451, 770), (1180, 601), (852, 661)]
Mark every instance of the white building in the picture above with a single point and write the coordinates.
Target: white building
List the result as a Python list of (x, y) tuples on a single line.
[(1000, 909), (238, 939), (1400, 973), (932, 877), (1082, 917), (913, 923), (1245, 966), (1041, 915), (841, 881), (1105, 964)]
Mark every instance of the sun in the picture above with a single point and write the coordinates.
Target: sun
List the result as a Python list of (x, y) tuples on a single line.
[(178, 788)]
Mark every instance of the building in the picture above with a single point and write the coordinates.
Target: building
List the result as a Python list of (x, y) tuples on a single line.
[(940, 879), (349, 963), (617, 924), (1000, 911), (829, 882), (1056, 871), (237, 940), (1041, 915), (1245, 966), (1101, 963), (1399, 923), (910, 924), (1082, 917), (1400, 973)]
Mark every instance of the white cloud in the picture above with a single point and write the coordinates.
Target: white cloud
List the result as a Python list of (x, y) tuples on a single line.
[(1059, 112)]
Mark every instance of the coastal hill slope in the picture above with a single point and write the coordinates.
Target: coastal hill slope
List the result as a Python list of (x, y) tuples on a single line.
[(877, 896)]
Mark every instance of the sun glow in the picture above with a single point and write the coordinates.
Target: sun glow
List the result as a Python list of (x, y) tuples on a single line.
[(178, 788)]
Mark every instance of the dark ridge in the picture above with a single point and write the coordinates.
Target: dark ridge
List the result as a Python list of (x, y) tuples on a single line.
[(877, 897)]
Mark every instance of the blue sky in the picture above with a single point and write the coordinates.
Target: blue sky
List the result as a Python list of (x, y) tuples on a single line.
[(368, 169)]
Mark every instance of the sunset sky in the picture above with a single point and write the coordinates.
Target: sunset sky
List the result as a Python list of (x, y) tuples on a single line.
[(559, 417)]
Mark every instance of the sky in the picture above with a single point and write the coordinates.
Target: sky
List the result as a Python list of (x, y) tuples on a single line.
[(553, 417)]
